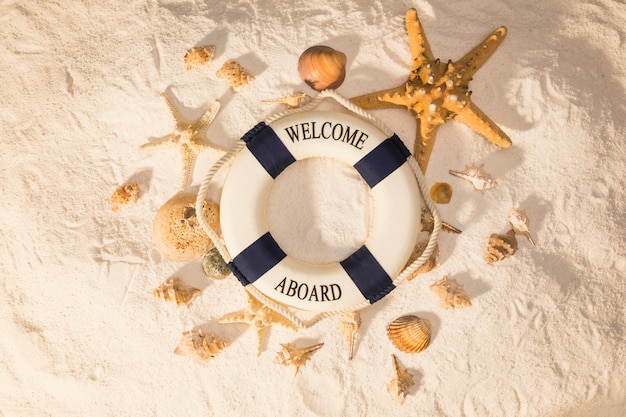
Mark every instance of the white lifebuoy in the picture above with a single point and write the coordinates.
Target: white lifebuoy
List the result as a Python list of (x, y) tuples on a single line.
[(367, 274)]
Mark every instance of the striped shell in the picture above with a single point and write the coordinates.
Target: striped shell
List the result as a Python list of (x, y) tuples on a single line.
[(410, 334), (322, 67), (500, 246)]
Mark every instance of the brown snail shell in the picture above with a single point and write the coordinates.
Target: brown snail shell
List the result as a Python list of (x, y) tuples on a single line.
[(322, 67), (441, 192), (410, 333), (500, 246), (176, 232)]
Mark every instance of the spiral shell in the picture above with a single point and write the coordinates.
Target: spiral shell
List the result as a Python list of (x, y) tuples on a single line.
[(410, 333), (199, 345), (322, 67), (176, 291), (176, 232), (451, 294), (500, 246), (292, 355), (441, 192)]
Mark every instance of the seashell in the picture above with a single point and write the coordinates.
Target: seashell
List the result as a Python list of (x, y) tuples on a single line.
[(410, 334), (322, 67), (175, 291), (124, 196), (520, 223), (292, 101), (401, 383), (298, 357), (236, 75), (214, 266), (199, 57), (176, 232), (350, 326), (441, 192), (430, 264), (450, 293), (500, 246), (428, 223), (199, 346), (476, 176)]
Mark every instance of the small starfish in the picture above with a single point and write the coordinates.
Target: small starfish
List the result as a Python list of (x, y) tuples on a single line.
[(436, 92), (259, 316), (188, 137)]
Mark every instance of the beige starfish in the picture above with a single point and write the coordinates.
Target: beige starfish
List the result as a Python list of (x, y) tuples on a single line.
[(436, 92), (259, 316), (189, 137)]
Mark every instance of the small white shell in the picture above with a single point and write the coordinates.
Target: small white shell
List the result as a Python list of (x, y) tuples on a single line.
[(199, 346), (176, 291), (292, 101), (480, 180), (520, 223), (500, 246), (350, 326), (410, 333)]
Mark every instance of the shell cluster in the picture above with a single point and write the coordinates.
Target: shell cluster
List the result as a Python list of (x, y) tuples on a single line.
[(292, 355), (350, 326), (500, 246), (199, 345), (124, 196), (322, 67), (176, 291), (441, 192), (176, 232), (199, 57), (451, 294), (213, 265), (401, 383), (476, 176), (410, 334), (236, 75)]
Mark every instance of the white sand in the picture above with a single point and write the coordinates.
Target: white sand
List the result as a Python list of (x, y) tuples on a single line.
[(80, 334)]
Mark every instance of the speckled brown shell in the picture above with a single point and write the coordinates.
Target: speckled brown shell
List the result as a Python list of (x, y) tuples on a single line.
[(124, 196), (236, 75), (410, 334), (441, 192), (199, 57), (500, 246), (176, 231), (322, 67)]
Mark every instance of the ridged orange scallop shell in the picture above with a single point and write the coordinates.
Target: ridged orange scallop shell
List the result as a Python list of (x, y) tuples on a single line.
[(410, 334)]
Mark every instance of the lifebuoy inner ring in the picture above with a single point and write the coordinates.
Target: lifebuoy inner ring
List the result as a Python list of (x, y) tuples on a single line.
[(367, 274)]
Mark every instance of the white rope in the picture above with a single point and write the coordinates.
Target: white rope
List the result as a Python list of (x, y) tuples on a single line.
[(221, 247)]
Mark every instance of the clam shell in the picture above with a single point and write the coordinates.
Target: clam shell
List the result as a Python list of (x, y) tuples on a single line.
[(176, 232), (441, 192), (410, 334), (322, 67)]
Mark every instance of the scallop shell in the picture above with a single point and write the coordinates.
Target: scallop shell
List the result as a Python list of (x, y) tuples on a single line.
[(176, 291), (410, 333), (298, 357), (430, 264), (236, 75), (500, 246), (350, 326), (176, 232), (322, 67), (124, 196), (214, 266), (199, 57), (199, 346), (292, 101), (401, 383), (476, 176), (441, 192), (520, 223), (451, 294)]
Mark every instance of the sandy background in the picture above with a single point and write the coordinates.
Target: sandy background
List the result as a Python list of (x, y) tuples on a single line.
[(80, 333)]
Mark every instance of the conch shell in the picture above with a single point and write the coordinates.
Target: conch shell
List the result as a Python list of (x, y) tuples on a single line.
[(322, 67), (401, 383), (350, 326), (199, 346), (410, 333), (125, 195), (236, 75), (174, 290), (451, 294), (298, 357), (199, 57), (292, 101), (176, 232), (476, 176), (519, 221), (441, 192), (500, 246)]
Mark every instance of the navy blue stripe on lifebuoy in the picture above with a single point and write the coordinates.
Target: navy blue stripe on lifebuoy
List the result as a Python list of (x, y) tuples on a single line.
[(368, 275), (268, 149), (255, 260), (382, 160)]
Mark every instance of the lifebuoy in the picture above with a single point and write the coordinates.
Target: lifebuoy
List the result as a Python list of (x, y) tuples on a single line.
[(366, 275)]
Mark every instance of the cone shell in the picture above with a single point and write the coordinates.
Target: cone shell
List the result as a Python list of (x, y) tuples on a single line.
[(176, 232), (176, 291), (124, 196), (199, 57), (441, 192), (199, 345), (500, 246), (410, 334), (322, 67), (236, 75)]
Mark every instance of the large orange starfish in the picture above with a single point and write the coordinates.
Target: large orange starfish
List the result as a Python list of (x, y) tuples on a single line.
[(436, 92)]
